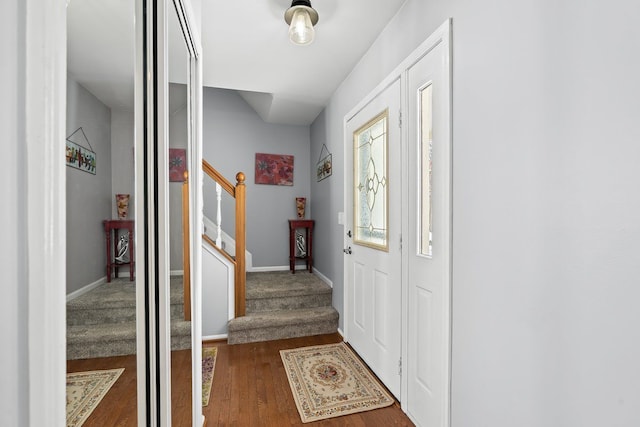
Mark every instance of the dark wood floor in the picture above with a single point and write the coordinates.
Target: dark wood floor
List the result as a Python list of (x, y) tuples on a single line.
[(250, 388)]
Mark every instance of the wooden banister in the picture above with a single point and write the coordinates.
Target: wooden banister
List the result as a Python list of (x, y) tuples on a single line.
[(238, 192), (220, 251), (240, 244), (186, 278), (217, 177)]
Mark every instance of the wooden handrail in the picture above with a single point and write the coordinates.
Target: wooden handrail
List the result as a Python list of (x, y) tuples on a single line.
[(220, 250), (186, 277), (217, 177), (238, 192)]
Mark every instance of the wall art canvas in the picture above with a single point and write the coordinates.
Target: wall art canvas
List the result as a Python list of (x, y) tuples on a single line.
[(324, 168), (274, 169), (79, 157), (177, 164)]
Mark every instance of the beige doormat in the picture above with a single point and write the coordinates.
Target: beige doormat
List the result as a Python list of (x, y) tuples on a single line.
[(208, 366), (85, 390), (329, 381)]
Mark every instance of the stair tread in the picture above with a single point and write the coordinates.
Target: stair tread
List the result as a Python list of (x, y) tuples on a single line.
[(283, 317), (117, 331), (282, 283), (119, 293)]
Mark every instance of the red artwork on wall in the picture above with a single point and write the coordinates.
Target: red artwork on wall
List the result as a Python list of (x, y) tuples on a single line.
[(177, 164), (274, 169)]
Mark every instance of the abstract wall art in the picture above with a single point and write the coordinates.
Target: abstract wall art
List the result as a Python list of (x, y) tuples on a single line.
[(177, 164), (274, 169)]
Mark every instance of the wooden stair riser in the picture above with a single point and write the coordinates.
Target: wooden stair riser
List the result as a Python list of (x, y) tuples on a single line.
[(288, 303)]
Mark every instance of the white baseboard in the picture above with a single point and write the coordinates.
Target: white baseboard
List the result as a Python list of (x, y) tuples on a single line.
[(75, 294), (276, 268), (214, 337), (324, 278), (272, 268), (341, 333)]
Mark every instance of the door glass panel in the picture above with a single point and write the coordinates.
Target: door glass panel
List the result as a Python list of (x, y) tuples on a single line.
[(426, 149), (371, 183)]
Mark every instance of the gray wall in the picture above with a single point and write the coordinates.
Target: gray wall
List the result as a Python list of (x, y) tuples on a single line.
[(14, 334), (546, 206), (234, 132), (177, 139), (122, 165), (122, 160), (89, 197)]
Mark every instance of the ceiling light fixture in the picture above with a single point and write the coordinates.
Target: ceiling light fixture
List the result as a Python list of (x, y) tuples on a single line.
[(301, 18)]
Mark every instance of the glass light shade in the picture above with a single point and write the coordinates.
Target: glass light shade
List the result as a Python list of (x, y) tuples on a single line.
[(301, 29)]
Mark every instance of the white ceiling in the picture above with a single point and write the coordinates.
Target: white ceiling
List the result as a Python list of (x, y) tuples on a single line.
[(246, 48)]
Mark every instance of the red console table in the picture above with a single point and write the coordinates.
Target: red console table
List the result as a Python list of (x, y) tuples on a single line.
[(307, 225), (114, 225)]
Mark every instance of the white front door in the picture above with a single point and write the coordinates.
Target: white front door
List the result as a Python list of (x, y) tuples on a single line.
[(428, 243), (372, 235)]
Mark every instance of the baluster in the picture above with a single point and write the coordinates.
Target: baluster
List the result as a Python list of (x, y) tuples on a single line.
[(219, 216)]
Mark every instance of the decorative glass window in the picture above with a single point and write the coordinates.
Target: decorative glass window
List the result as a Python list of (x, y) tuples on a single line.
[(370, 180), (426, 150)]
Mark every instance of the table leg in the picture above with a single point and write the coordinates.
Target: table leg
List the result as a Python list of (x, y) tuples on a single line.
[(292, 250), (310, 249), (108, 252), (131, 263)]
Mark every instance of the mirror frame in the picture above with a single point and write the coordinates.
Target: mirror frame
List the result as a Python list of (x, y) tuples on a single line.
[(152, 207)]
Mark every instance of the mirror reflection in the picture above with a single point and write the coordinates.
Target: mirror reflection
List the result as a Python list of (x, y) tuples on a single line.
[(178, 124), (101, 300)]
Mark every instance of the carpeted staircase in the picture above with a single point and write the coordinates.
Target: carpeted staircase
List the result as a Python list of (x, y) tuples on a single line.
[(284, 305), (102, 323)]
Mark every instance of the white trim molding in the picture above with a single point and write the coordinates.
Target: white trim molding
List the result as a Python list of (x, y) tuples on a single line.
[(88, 288), (214, 337), (276, 268), (46, 72), (322, 277)]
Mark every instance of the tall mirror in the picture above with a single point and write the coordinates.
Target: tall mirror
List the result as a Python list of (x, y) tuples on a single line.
[(109, 290), (183, 106), (179, 131), (101, 270)]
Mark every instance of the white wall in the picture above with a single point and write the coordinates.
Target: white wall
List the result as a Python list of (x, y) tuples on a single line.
[(546, 205), (217, 278), (89, 197), (234, 132), (14, 392)]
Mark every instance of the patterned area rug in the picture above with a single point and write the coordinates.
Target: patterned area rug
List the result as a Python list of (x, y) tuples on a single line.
[(208, 366), (329, 381), (85, 390)]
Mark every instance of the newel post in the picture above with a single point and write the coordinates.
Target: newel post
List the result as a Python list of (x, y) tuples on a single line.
[(186, 254), (240, 245)]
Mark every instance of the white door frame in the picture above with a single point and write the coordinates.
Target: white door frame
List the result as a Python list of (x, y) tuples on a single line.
[(45, 126), (441, 35)]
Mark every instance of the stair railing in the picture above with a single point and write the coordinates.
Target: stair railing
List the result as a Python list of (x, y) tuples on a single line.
[(238, 192)]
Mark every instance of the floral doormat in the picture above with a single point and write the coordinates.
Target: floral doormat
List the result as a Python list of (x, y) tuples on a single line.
[(85, 390), (329, 381), (208, 365)]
